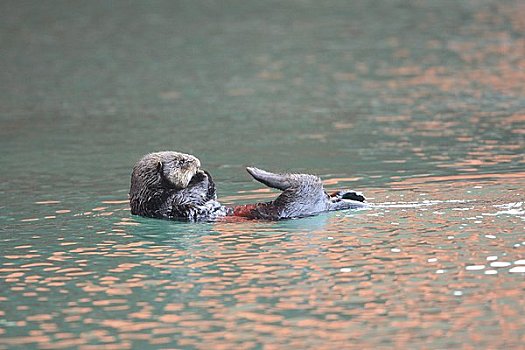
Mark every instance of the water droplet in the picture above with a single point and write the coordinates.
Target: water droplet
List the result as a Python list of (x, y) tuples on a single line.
[(500, 264), (492, 258), (432, 260), (490, 236), (330, 237), (491, 272), (458, 292), (440, 271), (345, 269), (520, 262), (475, 267)]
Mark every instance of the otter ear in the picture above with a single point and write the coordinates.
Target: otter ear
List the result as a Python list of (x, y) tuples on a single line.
[(159, 167)]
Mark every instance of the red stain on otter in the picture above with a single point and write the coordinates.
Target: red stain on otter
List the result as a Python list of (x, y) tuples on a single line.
[(244, 210)]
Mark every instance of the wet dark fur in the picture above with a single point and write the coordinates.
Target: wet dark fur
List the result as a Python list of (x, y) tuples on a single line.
[(303, 195), (154, 192)]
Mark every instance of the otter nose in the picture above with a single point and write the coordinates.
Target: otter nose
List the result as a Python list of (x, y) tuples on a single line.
[(190, 162)]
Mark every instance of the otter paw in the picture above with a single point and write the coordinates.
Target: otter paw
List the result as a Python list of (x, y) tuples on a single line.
[(200, 176)]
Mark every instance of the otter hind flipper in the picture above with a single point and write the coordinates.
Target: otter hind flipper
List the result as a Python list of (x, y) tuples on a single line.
[(278, 181), (355, 196), (349, 194), (347, 199), (302, 195)]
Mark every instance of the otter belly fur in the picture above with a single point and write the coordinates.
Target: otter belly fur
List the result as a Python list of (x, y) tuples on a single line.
[(171, 185)]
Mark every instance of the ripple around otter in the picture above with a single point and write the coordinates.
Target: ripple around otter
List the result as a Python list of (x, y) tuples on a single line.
[(421, 107)]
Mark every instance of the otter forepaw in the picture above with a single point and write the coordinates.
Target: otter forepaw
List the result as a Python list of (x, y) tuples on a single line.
[(199, 176)]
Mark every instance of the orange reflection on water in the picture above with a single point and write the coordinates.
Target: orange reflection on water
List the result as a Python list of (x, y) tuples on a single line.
[(517, 177)]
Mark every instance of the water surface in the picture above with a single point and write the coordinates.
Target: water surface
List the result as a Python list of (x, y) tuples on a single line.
[(419, 104)]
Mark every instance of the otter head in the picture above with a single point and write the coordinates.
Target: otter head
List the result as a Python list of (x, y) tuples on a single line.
[(176, 168), (155, 176)]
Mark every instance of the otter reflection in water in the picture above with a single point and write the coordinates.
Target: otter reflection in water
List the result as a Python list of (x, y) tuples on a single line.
[(171, 185)]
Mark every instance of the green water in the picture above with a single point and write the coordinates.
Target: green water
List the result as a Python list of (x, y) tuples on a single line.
[(419, 104)]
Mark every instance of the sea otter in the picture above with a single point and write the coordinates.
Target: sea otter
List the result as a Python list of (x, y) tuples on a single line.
[(171, 185)]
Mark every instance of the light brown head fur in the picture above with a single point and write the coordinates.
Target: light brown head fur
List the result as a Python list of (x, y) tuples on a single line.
[(155, 174)]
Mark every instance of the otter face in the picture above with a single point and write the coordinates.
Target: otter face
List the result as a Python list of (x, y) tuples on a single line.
[(178, 168), (159, 175), (164, 170)]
